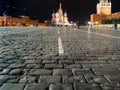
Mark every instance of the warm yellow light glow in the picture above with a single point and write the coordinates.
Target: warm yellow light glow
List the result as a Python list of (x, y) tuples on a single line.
[(96, 23)]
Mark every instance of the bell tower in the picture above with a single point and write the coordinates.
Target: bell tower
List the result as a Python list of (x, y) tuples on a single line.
[(104, 7)]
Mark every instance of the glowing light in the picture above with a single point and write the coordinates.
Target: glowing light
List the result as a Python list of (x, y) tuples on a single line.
[(56, 14), (89, 22), (96, 22)]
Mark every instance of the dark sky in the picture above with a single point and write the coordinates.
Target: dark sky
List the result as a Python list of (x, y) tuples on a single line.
[(42, 9)]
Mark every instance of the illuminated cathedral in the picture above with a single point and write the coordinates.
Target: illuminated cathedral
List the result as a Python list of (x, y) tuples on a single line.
[(60, 18)]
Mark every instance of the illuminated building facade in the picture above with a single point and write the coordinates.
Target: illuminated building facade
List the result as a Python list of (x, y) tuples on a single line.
[(104, 12), (12, 21), (104, 7), (59, 18)]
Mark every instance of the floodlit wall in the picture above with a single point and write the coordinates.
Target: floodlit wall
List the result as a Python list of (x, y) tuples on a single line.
[(11, 21)]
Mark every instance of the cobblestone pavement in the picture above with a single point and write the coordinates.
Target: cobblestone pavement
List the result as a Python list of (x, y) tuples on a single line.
[(51, 58)]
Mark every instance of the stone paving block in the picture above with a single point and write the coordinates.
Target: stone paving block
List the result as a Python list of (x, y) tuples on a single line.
[(3, 78), (73, 79), (9, 57), (40, 72), (79, 86), (104, 57), (49, 61), (36, 87), (12, 87), (71, 66), (116, 62), (33, 61), (110, 86), (27, 79), (106, 71), (99, 61), (24, 52), (53, 66), (50, 79), (66, 62), (27, 57), (60, 87), (26, 71), (18, 61), (110, 66), (35, 66), (2, 65), (78, 72), (12, 79), (62, 72), (17, 66), (61, 57), (11, 61), (83, 62), (113, 78), (16, 72), (96, 79), (5, 71), (91, 65)]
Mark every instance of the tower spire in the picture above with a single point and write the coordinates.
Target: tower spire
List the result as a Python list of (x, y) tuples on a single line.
[(103, 1), (60, 6)]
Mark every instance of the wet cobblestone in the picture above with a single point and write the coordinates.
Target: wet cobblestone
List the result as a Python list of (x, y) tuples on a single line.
[(30, 59)]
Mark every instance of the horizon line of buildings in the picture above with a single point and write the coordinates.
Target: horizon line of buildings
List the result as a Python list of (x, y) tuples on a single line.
[(21, 21)]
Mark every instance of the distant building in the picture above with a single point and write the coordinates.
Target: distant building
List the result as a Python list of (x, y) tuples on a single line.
[(104, 12), (104, 7), (22, 21), (59, 18)]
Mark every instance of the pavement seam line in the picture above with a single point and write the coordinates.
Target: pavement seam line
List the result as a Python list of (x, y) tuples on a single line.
[(60, 46)]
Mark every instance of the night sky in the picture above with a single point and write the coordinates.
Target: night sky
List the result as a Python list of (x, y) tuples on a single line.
[(42, 9)]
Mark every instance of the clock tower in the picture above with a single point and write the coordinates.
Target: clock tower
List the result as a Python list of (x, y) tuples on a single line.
[(104, 7)]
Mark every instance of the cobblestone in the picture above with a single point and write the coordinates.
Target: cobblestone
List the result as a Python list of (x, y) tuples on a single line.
[(28, 79), (12, 79), (33, 61), (79, 86), (35, 66), (96, 79), (73, 66), (4, 71), (16, 66), (73, 79), (113, 78), (91, 65), (78, 72), (16, 72), (3, 78), (12, 87), (107, 71), (3, 65), (62, 72), (60, 87), (110, 86), (40, 72), (53, 66), (66, 61), (49, 62), (50, 79), (30, 59), (36, 87)]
